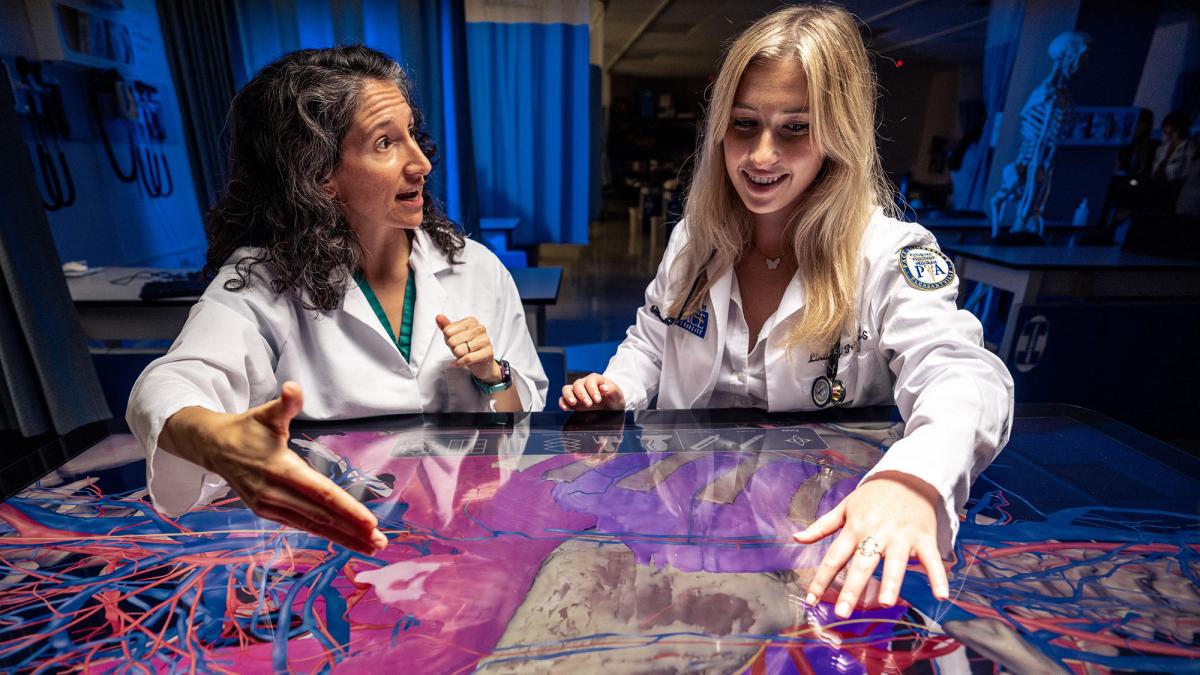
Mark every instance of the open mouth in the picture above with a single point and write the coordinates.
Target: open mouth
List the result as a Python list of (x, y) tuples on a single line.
[(414, 196), (763, 181)]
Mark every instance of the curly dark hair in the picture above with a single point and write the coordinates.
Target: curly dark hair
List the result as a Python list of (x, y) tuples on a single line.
[(287, 126)]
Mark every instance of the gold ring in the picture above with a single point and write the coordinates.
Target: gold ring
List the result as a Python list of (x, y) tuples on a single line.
[(869, 547)]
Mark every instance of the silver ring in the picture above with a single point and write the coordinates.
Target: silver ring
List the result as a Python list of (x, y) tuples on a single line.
[(868, 547)]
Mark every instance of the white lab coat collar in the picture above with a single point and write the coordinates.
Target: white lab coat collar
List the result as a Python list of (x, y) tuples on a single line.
[(427, 254), (355, 304), (699, 380), (781, 370), (781, 365), (427, 262), (779, 392)]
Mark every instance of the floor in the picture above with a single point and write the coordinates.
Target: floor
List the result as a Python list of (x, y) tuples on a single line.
[(602, 287)]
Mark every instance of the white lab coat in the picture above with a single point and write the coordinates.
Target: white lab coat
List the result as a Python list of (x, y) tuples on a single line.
[(1176, 166), (918, 350), (238, 348)]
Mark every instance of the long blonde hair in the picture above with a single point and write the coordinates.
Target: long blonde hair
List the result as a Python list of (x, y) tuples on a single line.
[(829, 219)]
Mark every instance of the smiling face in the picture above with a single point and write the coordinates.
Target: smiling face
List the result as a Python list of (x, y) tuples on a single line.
[(382, 169), (769, 153)]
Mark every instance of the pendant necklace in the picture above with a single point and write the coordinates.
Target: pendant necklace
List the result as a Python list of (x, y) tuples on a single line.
[(772, 263)]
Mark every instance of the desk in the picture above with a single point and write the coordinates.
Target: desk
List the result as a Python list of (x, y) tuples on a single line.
[(497, 235), (503, 226), (538, 287), (1032, 273), (109, 307), (113, 311), (963, 231), (592, 543)]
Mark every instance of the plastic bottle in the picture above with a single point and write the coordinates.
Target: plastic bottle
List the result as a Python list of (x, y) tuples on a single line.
[(1081, 213)]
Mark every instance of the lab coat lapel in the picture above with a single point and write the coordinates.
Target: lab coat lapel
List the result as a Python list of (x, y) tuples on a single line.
[(784, 369), (711, 349), (355, 304), (427, 261)]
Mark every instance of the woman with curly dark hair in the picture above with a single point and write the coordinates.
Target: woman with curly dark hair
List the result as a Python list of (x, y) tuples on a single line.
[(336, 275)]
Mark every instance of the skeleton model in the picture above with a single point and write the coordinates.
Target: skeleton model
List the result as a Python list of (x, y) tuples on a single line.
[(1026, 180)]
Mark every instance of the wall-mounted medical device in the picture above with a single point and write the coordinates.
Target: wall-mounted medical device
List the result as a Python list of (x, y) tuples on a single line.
[(135, 110), (94, 33), (40, 99)]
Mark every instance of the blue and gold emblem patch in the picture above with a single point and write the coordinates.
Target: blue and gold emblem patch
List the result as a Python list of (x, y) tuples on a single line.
[(696, 324), (926, 268)]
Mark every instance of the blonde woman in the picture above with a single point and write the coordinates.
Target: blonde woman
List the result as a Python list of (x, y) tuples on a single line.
[(790, 286)]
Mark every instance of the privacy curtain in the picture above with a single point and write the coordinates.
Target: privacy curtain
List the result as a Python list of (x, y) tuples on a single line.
[(425, 36), (528, 70), (47, 380), (201, 41), (1004, 31)]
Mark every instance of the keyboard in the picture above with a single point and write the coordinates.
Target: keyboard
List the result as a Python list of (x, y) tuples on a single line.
[(189, 286)]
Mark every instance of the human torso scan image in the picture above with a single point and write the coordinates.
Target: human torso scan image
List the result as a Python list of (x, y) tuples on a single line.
[(630, 549)]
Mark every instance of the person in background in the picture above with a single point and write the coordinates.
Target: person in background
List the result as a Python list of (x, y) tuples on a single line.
[(1136, 159), (790, 286), (341, 290), (1131, 188), (1174, 157), (1188, 203)]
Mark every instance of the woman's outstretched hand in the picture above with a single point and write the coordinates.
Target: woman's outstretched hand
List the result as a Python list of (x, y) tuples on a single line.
[(249, 450), (592, 392), (890, 518)]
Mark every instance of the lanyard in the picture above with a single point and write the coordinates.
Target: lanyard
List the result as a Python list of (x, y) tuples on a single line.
[(687, 300), (826, 390)]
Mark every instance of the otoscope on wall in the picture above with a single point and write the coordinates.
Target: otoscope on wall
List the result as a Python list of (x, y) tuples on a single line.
[(111, 83), (153, 161), (137, 104), (49, 121)]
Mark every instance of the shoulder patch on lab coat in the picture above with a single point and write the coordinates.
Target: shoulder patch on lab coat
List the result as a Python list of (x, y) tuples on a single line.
[(696, 324), (926, 268)]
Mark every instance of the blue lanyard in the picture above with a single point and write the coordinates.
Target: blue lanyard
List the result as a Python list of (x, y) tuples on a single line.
[(686, 301)]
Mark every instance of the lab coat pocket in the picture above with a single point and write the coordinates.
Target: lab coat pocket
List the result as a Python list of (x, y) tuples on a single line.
[(461, 394), (867, 380), (689, 365), (850, 368)]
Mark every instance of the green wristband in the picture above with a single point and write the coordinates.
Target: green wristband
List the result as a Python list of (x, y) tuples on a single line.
[(504, 383)]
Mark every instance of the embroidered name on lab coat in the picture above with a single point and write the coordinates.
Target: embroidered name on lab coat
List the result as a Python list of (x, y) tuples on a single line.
[(696, 324), (926, 268), (861, 337)]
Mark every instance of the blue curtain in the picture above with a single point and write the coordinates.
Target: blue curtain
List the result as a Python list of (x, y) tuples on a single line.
[(201, 41), (428, 37), (1004, 29), (529, 86)]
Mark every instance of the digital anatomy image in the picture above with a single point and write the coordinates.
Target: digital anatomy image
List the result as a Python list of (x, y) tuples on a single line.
[(548, 551)]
